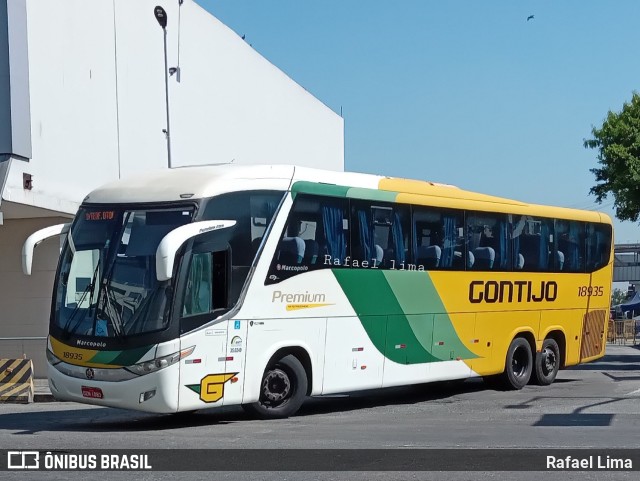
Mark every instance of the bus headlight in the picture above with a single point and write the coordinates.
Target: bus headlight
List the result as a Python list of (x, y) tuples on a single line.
[(158, 363)]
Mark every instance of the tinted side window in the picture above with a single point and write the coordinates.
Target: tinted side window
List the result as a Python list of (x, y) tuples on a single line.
[(489, 241), (533, 246), (598, 246), (253, 211), (438, 239), (380, 236), (571, 245), (316, 236)]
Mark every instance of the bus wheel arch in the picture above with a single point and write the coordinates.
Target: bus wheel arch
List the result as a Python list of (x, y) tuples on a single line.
[(302, 355), (519, 361), (285, 383)]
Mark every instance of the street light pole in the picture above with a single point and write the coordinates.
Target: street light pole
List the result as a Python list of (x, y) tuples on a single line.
[(161, 17)]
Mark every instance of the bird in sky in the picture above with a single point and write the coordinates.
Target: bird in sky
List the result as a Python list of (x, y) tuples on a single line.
[(530, 17)]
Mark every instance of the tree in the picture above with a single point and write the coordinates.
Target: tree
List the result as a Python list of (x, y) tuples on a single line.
[(618, 296), (618, 145)]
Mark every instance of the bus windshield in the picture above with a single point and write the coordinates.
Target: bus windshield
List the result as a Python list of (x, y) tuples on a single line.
[(107, 285)]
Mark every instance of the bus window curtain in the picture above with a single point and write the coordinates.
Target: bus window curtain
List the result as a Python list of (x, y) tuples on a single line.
[(515, 252), (574, 240), (414, 241), (594, 243), (543, 259), (365, 231), (397, 237), (599, 251), (198, 295), (270, 208), (332, 218), (449, 243), (503, 243)]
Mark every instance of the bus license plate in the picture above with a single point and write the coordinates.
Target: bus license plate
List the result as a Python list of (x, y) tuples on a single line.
[(92, 392)]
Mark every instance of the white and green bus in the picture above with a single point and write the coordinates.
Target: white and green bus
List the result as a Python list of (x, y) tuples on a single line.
[(200, 287)]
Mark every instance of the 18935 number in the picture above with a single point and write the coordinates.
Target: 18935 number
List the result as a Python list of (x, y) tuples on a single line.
[(588, 291), (72, 355)]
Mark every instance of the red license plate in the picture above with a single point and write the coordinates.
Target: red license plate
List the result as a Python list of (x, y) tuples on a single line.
[(92, 392)]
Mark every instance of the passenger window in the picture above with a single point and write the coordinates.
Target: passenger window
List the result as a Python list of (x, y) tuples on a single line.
[(489, 241), (315, 237), (380, 238), (598, 248), (571, 245), (438, 241), (533, 247)]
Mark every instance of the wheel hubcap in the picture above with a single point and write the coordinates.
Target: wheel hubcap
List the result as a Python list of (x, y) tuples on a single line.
[(276, 386), (548, 360), (519, 362)]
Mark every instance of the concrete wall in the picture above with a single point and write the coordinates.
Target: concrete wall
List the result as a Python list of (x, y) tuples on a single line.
[(97, 99), (26, 300)]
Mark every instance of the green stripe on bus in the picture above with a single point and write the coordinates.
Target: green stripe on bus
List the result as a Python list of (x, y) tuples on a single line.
[(131, 356), (127, 357), (416, 294), (104, 357), (331, 190), (374, 302), (372, 194), (410, 306), (316, 188)]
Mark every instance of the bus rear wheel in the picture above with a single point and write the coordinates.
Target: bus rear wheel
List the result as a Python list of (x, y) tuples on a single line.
[(519, 364), (282, 390), (547, 363)]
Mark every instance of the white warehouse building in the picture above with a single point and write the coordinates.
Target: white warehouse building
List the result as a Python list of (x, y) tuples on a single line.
[(82, 103)]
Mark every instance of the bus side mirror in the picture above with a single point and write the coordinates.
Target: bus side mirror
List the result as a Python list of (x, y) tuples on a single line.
[(169, 245), (36, 238)]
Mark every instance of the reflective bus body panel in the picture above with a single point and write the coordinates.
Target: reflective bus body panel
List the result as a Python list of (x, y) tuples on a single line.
[(375, 325)]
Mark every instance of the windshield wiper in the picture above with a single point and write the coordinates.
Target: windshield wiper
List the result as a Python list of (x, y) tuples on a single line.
[(87, 289), (112, 312)]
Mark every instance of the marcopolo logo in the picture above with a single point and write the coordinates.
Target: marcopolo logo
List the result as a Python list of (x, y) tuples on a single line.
[(83, 343)]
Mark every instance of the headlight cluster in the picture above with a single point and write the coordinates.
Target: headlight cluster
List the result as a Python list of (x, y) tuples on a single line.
[(158, 363)]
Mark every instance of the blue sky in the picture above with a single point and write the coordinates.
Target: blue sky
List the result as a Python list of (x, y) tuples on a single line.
[(465, 92)]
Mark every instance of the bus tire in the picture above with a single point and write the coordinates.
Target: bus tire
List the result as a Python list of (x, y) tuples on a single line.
[(282, 390), (519, 364), (547, 363)]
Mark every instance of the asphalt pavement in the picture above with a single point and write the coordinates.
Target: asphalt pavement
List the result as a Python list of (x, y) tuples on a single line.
[(594, 406)]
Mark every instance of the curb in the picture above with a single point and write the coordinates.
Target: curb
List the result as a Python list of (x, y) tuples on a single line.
[(42, 397)]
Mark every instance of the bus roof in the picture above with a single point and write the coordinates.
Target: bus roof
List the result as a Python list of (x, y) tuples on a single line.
[(197, 182)]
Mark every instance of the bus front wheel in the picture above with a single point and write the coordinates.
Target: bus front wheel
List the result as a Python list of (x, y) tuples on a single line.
[(282, 390), (519, 364), (547, 363)]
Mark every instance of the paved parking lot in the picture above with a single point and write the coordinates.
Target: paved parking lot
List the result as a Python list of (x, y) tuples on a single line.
[(594, 405)]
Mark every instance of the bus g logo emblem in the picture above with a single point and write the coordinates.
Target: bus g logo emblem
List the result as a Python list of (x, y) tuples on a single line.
[(211, 387), (90, 373)]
